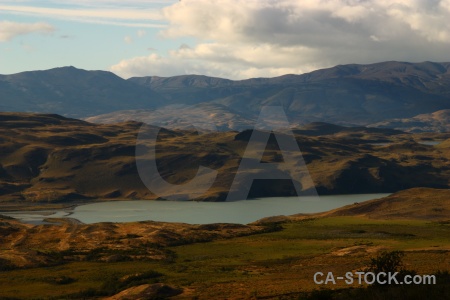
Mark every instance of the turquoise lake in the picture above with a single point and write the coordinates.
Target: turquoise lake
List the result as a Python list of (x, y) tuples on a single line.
[(242, 212)]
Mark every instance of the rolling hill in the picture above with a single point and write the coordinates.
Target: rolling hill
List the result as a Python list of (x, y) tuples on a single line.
[(149, 260), (416, 203), (438, 121), (50, 158)]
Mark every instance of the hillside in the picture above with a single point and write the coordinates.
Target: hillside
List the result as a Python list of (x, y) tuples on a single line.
[(102, 239), (416, 203), (276, 257), (346, 95), (71, 92), (179, 116), (49, 158), (438, 121)]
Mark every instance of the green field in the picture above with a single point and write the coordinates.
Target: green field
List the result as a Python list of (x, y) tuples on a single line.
[(266, 265)]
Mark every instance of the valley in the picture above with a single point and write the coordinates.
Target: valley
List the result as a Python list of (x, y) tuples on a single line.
[(71, 138)]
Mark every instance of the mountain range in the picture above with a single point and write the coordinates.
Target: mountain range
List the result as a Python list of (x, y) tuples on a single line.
[(374, 94)]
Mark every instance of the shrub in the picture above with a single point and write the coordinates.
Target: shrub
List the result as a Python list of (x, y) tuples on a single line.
[(6, 265), (387, 262), (61, 280)]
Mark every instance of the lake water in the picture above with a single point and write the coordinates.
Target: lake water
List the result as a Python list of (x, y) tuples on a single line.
[(241, 212), (36, 217), (428, 143), (380, 144)]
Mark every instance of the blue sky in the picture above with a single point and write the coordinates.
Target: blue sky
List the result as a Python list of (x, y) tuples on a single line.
[(225, 38), (96, 41)]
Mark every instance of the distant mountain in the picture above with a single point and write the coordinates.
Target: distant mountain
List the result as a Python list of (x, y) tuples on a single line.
[(350, 94), (438, 121), (345, 94), (71, 92), (426, 76), (179, 116)]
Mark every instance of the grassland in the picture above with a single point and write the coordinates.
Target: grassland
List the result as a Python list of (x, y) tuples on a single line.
[(266, 266)]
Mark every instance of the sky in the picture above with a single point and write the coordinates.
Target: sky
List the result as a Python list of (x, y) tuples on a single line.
[(234, 39)]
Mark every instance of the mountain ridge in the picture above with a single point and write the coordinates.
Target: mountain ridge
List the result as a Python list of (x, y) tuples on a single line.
[(338, 71), (345, 94)]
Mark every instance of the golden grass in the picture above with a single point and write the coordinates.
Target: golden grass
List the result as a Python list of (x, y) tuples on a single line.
[(265, 265)]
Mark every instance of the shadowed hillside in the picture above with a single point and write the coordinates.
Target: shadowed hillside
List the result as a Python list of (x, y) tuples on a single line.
[(49, 158), (72, 92)]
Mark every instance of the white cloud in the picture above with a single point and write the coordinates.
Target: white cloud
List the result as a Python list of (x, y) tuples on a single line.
[(228, 61), (141, 33), (10, 30), (113, 15), (90, 3), (152, 64), (237, 39), (286, 21), (128, 39)]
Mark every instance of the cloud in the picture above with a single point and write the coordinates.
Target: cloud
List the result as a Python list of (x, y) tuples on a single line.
[(146, 65), (292, 21), (90, 3), (128, 39), (227, 61), (141, 33), (112, 15), (10, 30), (238, 38)]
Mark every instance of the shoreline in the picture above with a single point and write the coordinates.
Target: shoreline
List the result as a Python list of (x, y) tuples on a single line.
[(185, 211)]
